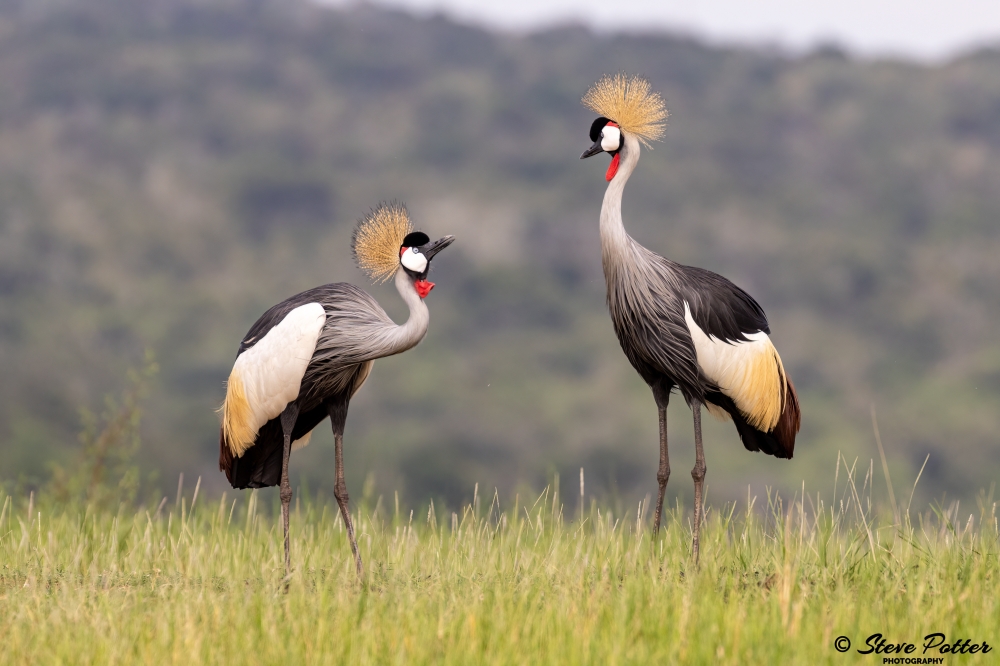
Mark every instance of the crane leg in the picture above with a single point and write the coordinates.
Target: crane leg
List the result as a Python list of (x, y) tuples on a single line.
[(340, 492), (698, 474), (288, 418), (338, 417), (663, 473)]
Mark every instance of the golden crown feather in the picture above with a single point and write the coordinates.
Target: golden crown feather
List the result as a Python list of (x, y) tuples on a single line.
[(378, 237), (629, 102)]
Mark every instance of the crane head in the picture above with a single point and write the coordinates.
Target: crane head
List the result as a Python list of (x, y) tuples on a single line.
[(415, 254), (625, 104), (607, 138)]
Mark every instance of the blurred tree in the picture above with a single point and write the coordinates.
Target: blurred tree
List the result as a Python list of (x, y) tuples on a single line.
[(169, 168)]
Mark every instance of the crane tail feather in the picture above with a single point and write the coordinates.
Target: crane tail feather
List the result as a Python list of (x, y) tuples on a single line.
[(226, 457), (780, 440), (790, 421), (238, 419), (260, 464)]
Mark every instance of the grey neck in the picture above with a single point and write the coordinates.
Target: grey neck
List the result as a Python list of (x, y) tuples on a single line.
[(401, 338), (616, 245)]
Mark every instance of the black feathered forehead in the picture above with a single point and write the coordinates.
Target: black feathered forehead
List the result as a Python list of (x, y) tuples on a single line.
[(415, 239), (595, 129)]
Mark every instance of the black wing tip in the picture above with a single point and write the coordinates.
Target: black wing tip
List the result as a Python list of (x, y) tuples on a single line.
[(256, 468), (227, 461), (779, 442)]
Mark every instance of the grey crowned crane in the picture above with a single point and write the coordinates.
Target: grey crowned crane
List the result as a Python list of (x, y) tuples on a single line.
[(683, 327), (308, 355)]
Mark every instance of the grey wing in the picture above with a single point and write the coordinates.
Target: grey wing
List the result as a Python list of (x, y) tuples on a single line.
[(349, 342), (718, 307), (648, 314), (363, 373)]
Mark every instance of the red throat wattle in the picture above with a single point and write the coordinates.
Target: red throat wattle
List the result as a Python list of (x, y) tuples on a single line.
[(612, 168), (423, 287)]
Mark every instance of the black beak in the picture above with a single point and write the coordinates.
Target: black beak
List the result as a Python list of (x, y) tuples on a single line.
[(593, 150), (431, 249)]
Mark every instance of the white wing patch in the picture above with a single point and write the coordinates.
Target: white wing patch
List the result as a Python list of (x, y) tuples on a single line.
[(266, 377), (750, 372)]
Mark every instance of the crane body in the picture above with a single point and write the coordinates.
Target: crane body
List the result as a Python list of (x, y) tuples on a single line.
[(683, 327), (305, 358)]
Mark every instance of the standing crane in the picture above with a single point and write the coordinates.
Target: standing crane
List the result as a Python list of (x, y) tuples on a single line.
[(308, 355), (683, 327)]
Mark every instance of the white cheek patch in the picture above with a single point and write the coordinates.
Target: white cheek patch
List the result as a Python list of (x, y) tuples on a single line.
[(414, 260), (611, 139)]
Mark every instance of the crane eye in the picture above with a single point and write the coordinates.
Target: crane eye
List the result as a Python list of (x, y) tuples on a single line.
[(611, 139), (414, 260)]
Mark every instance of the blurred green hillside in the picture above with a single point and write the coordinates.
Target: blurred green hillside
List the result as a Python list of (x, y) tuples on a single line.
[(171, 168)]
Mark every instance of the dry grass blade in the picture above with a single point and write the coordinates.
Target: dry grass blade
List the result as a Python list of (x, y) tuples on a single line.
[(885, 466), (86, 584)]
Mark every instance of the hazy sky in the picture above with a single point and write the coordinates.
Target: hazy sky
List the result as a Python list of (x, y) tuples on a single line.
[(925, 29)]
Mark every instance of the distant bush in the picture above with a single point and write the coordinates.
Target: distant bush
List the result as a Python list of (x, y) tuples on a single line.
[(105, 472)]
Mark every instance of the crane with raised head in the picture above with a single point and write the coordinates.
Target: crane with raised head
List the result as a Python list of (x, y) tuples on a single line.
[(683, 327), (307, 356)]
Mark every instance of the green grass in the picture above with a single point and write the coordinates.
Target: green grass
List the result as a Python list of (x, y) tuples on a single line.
[(526, 584)]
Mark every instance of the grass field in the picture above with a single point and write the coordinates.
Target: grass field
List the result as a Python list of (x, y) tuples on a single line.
[(495, 583)]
